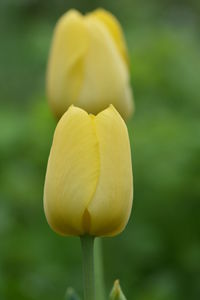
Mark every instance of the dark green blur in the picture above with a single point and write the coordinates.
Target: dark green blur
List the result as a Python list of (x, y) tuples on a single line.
[(158, 255)]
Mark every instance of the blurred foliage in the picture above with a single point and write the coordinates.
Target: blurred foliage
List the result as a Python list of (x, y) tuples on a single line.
[(158, 256)]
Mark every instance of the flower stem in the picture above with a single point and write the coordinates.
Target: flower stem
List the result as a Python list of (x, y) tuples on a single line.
[(98, 270), (87, 243)]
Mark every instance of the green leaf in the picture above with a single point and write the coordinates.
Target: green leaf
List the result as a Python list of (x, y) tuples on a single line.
[(116, 292)]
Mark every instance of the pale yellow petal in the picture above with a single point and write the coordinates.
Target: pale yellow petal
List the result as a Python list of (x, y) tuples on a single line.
[(111, 205), (106, 78), (66, 61), (115, 30), (72, 173)]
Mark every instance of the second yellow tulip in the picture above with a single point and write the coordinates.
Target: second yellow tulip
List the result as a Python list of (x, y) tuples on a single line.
[(88, 64)]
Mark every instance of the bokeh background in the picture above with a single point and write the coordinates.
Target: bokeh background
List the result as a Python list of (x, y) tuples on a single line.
[(158, 255)]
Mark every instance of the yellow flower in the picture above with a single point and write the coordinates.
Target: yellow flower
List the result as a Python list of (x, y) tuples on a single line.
[(88, 64), (88, 186)]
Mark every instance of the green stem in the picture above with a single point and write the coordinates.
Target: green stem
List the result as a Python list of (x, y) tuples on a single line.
[(99, 272), (87, 243)]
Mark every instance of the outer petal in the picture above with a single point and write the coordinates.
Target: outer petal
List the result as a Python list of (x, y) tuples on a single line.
[(72, 173), (111, 205), (115, 30), (106, 78), (66, 59)]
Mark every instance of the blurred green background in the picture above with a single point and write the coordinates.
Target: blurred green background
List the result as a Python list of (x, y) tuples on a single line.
[(158, 255)]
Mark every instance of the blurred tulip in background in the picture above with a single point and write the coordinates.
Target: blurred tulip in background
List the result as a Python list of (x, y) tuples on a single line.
[(88, 64)]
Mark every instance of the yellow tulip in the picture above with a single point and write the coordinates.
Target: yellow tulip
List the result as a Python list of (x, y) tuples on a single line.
[(88, 64), (88, 186)]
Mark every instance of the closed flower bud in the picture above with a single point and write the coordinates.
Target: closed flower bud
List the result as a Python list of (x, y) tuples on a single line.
[(88, 64), (88, 186)]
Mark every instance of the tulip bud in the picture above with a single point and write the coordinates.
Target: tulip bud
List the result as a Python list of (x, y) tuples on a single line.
[(88, 65), (116, 293), (88, 186)]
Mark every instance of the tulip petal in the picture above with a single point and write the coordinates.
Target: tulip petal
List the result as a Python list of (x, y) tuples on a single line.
[(115, 30), (106, 78), (72, 173), (111, 205), (66, 61)]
